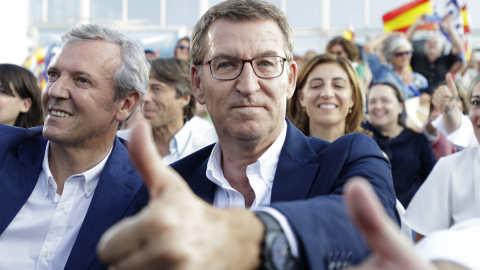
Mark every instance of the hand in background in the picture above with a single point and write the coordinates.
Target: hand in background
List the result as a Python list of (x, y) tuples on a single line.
[(445, 96)]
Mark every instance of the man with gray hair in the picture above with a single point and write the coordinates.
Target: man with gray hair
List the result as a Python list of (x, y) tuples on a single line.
[(62, 190), (243, 70), (432, 63)]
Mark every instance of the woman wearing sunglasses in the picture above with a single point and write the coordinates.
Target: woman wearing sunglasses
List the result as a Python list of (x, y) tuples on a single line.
[(182, 49), (396, 52)]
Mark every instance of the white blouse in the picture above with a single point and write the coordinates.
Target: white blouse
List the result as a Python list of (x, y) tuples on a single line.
[(459, 244), (451, 193)]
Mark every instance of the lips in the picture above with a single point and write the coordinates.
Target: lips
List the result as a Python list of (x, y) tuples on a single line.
[(245, 106), (59, 113), (327, 106), (378, 114)]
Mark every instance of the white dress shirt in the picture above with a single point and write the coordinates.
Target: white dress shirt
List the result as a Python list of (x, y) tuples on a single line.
[(261, 175), (43, 232), (194, 135)]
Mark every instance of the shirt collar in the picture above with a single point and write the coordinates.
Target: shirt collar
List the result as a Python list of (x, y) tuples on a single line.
[(179, 141), (90, 177), (267, 162)]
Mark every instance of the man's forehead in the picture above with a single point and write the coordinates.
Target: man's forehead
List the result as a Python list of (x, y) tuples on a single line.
[(102, 54), (238, 39)]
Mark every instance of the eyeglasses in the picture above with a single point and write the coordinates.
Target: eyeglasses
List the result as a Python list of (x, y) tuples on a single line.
[(182, 47), (399, 54), (230, 68)]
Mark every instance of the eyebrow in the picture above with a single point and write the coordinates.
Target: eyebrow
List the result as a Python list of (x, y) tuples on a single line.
[(334, 79), (74, 74), (476, 96), (156, 85), (265, 53)]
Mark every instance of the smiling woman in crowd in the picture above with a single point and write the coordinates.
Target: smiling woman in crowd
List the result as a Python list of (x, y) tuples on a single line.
[(409, 152), (327, 102)]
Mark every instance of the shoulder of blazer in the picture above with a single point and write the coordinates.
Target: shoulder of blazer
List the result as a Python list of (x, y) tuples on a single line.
[(187, 166), (13, 137)]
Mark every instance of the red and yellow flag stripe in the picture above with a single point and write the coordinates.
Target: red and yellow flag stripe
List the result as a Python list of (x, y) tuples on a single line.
[(403, 17)]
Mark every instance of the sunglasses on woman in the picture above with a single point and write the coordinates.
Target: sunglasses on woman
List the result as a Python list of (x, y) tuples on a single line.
[(182, 47), (399, 54)]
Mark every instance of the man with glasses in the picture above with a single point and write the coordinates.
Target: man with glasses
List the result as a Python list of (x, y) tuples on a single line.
[(243, 71)]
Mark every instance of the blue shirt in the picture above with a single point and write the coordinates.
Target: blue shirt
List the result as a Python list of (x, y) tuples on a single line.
[(381, 72)]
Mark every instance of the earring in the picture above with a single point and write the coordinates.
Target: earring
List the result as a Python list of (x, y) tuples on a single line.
[(350, 110)]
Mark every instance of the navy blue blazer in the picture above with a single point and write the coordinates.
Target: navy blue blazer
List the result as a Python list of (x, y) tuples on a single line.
[(120, 191), (307, 189)]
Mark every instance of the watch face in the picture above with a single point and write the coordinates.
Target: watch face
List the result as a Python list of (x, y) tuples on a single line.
[(279, 251)]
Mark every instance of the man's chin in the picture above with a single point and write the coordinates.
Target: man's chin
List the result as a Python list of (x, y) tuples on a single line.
[(51, 133)]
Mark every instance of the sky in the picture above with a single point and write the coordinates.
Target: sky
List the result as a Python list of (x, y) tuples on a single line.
[(13, 27)]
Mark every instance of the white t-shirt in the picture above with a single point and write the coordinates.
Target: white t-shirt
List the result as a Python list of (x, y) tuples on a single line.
[(450, 195)]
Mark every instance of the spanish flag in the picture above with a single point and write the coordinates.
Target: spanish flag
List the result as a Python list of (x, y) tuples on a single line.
[(401, 18), (466, 20), (349, 33), (466, 30)]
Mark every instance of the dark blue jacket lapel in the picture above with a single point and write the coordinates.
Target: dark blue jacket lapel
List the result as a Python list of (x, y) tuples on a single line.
[(193, 169), (113, 199), (19, 174), (294, 163), (295, 174)]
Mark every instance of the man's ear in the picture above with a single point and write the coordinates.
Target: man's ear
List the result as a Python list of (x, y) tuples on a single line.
[(197, 88), (184, 100), (127, 105), (292, 77)]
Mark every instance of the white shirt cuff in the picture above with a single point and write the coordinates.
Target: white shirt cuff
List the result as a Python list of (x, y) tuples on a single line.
[(430, 137), (292, 241)]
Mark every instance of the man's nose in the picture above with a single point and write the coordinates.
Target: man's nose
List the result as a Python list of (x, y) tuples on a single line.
[(247, 82), (60, 88), (148, 96)]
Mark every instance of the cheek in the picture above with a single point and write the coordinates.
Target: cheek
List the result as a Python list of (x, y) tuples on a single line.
[(44, 97), (310, 96), (474, 115)]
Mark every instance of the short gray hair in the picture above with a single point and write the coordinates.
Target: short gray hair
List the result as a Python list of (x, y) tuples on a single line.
[(392, 43), (239, 11), (132, 75)]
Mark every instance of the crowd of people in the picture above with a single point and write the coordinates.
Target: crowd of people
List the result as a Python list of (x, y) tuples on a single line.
[(231, 155)]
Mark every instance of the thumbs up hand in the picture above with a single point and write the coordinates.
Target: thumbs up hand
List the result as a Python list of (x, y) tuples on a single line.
[(445, 96), (177, 230)]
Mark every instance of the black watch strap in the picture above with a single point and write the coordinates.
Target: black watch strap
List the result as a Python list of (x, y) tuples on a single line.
[(276, 253)]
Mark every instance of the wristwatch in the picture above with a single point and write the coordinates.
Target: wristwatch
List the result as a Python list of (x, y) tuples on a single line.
[(276, 253)]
